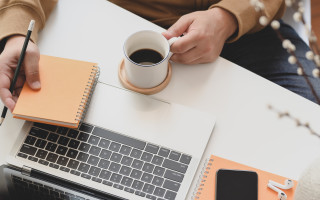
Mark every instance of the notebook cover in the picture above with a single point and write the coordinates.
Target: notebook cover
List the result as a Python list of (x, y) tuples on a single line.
[(64, 82), (206, 189)]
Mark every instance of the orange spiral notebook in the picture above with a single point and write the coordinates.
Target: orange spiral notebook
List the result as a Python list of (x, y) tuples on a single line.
[(66, 88), (206, 187)]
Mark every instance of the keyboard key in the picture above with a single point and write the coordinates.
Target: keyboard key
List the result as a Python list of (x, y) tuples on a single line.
[(72, 153), (157, 160), (83, 136), (73, 164), (147, 167), (83, 157), (28, 149), (64, 169), (175, 166), (141, 194), (83, 167), (86, 176), (61, 150), (40, 143), (43, 162), (137, 185), (136, 174), (30, 140), (146, 157), (146, 177), (52, 157), (105, 174), (137, 164), (151, 148), (75, 172), (175, 176), (53, 137), (105, 154), (114, 167), (41, 154), (95, 179), (114, 146), (125, 170), (126, 181), (47, 127), (185, 159), (94, 171), (62, 161), (51, 147), (174, 155), (54, 166), (126, 160), (157, 181), (73, 133), (63, 141), (120, 187), (147, 188), (84, 147), (86, 128), (128, 190), (33, 159), (104, 143), (171, 185), (151, 197), (39, 133), (73, 144), (135, 153), (125, 150), (93, 160), (95, 150), (115, 157), (159, 171), (93, 140), (164, 152), (119, 138), (115, 178), (104, 164), (62, 130), (170, 195), (22, 155), (108, 183)]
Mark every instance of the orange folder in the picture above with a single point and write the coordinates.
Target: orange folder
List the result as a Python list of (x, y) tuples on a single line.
[(206, 189), (66, 86)]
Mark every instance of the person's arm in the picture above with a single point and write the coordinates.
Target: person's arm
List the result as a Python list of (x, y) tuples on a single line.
[(205, 32), (15, 17)]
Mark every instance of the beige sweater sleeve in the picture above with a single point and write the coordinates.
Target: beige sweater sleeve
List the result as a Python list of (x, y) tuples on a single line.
[(247, 17), (15, 16)]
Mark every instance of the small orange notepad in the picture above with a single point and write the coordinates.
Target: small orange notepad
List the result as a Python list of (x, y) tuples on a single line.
[(66, 87), (206, 189)]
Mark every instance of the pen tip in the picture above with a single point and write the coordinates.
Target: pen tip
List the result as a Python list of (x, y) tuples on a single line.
[(31, 25)]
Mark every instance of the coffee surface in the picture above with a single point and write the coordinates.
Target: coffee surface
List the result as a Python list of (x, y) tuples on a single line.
[(146, 56)]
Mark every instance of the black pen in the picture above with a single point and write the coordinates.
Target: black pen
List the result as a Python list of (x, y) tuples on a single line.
[(16, 73)]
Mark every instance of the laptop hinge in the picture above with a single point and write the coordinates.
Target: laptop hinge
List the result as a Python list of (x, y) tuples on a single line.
[(26, 170)]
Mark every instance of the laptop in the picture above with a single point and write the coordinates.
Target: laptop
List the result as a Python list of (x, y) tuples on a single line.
[(129, 146)]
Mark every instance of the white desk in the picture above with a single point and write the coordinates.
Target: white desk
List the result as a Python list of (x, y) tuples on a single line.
[(246, 131)]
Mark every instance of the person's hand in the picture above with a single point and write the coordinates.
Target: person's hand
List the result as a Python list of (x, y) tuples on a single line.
[(8, 63), (204, 34)]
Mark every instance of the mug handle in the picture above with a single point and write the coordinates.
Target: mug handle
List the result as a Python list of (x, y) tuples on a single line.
[(171, 41)]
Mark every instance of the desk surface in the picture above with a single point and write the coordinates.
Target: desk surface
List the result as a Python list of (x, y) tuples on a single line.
[(246, 130)]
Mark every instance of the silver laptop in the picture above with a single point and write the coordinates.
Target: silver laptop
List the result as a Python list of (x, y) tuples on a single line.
[(129, 146)]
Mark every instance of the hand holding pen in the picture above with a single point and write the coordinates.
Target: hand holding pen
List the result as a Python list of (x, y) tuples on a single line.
[(11, 77)]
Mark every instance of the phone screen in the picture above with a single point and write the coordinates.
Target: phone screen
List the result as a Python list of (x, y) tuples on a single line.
[(236, 184)]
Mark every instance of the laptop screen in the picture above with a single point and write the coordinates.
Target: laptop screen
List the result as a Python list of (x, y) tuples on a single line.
[(15, 186)]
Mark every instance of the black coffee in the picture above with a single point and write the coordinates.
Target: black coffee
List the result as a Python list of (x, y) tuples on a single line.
[(146, 56)]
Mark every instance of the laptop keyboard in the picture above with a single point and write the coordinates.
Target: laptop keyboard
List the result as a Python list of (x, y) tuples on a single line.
[(108, 158)]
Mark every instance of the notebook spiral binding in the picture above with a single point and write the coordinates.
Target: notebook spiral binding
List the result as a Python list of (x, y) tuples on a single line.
[(202, 179), (85, 102)]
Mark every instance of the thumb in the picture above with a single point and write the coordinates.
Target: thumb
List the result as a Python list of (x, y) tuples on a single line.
[(31, 64), (179, 27)]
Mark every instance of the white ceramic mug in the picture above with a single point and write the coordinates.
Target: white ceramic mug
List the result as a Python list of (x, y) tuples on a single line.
[(146, 74)]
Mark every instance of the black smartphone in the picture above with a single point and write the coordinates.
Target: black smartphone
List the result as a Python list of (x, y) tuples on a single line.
[(236, 185)]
